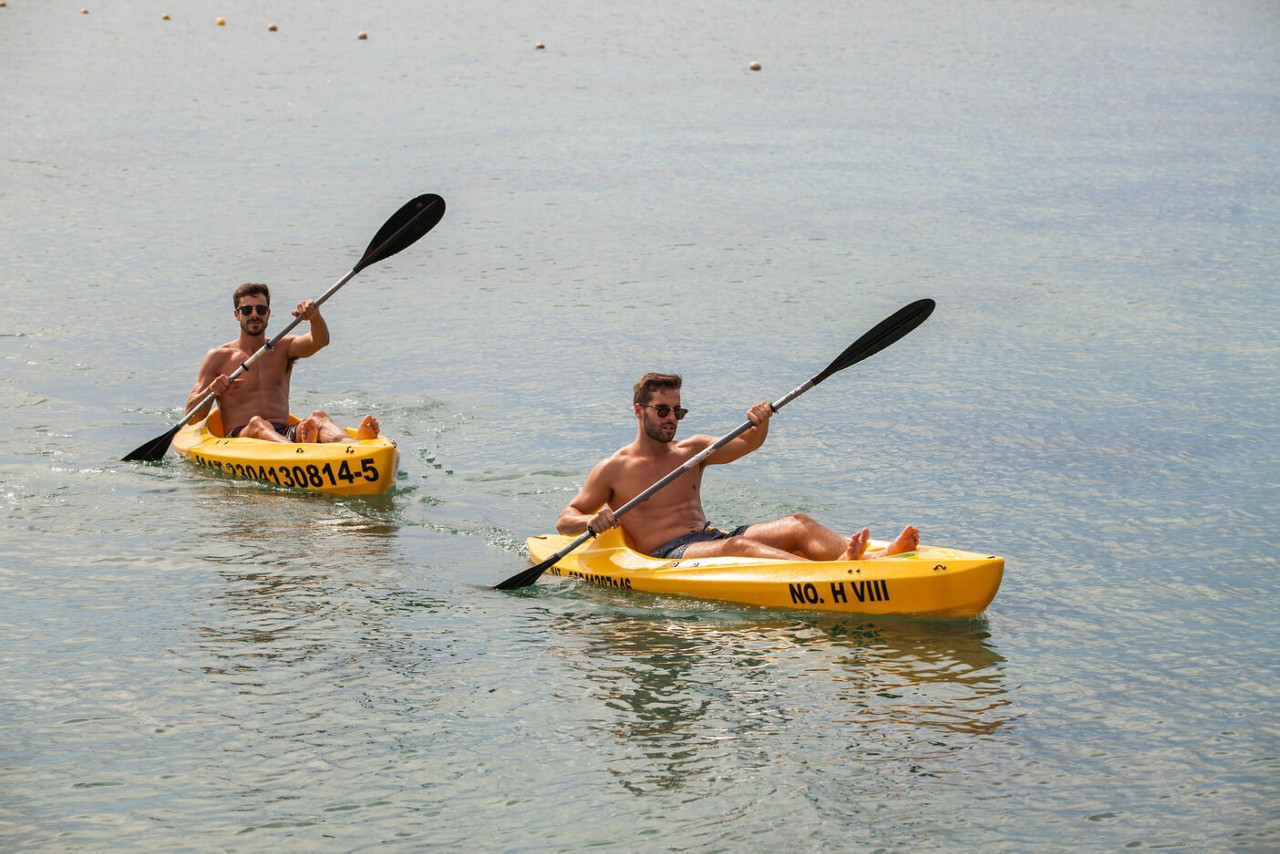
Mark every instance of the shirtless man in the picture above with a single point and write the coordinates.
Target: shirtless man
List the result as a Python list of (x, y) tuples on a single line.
[(256, 404), (671, 523)]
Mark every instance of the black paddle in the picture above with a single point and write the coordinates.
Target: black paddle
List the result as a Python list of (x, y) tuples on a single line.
[(400, 232), (885, 333)]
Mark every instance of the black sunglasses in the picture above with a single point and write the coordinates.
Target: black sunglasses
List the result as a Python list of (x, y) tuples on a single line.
[(247, 310), (663, 410)]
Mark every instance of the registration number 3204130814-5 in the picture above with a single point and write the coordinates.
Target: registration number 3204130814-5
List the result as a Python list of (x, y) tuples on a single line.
[(309, 476)]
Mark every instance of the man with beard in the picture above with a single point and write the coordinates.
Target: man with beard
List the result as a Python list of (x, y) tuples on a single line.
[(671, 523), (256, 404)]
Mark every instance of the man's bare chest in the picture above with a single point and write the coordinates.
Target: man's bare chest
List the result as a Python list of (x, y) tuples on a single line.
[(269, 370), (684, 488)]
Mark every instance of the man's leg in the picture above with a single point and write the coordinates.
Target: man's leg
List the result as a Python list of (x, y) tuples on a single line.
[(800, 535), (260, 428), (734, 547)]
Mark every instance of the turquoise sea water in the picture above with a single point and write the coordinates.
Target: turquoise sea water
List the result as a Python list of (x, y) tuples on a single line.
[(1089, 191)]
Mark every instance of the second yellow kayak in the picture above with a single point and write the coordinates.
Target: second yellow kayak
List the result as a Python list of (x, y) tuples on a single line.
[(932, 581)]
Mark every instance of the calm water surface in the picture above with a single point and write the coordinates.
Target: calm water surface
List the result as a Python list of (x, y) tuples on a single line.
[(1089, 190)]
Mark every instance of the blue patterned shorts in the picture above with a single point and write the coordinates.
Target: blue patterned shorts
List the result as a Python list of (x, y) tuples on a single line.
[(675, 548)]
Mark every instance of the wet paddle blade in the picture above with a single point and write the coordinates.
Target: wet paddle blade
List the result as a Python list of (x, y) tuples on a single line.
[(153, 451), (403, 229), (529, 576), (534, 572)]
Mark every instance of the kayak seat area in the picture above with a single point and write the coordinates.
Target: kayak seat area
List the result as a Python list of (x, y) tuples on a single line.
[(614, 538), (214, 424)]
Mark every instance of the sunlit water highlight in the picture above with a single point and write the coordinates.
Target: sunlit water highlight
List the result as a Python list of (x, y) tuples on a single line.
[(1087, 189)]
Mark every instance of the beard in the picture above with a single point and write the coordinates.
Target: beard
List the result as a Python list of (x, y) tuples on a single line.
[(658, 431)]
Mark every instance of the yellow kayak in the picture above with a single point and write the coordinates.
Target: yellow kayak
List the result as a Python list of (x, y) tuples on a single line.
[(932, 581), (364, 467)]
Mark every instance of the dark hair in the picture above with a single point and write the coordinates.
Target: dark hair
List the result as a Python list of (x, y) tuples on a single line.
[(644, 388), (250, 289)]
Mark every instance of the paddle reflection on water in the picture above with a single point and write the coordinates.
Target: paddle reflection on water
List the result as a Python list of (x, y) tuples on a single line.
[(692, 693)]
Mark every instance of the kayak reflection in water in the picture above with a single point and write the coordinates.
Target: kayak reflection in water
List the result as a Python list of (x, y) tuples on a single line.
[(256, 404), (671, 523)]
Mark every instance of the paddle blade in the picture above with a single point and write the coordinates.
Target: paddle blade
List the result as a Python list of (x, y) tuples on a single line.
[(533, 573), (524, 579), (404, 229), (154, 450), (883, 334)]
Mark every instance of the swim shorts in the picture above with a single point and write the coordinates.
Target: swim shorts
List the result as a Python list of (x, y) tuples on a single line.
[(676, 547), (286, 430)]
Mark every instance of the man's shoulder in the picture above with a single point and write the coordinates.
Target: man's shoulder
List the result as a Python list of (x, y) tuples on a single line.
[(223, 351), (690, 445), (621, 460), (619, 457)]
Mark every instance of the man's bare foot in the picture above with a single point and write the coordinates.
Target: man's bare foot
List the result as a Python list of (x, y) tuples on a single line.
[(306, 431), (368, 428), (907, 541), (857, 545)]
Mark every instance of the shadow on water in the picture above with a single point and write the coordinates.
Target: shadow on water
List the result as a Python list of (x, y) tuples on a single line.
[(691, 691)]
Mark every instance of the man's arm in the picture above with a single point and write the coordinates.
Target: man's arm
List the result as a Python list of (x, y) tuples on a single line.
[(210, 378), (315, 339), (590, 505), (744, 444)]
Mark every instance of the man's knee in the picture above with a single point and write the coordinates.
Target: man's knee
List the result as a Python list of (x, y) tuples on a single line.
[(257, 427), (802, 521)]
